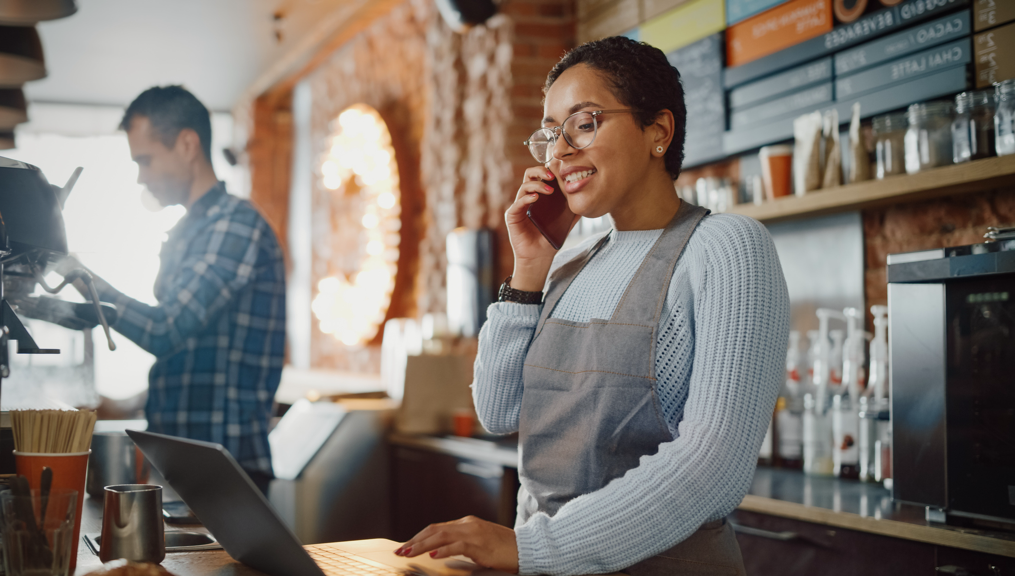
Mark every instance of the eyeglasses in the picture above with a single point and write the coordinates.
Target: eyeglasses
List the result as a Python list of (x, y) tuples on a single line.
[(579, 130)]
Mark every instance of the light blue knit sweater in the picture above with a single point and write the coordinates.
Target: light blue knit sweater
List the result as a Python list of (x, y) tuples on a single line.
[(720, 361)]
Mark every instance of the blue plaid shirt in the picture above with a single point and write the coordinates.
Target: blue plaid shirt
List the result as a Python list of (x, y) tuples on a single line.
[(218, 331)]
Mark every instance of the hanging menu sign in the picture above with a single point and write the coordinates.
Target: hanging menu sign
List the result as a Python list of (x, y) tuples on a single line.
[(700, 66), (911, 40)]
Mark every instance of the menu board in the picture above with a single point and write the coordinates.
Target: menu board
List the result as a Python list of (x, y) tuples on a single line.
[(700, 66), (926, 62), (867, 28), (782, 83), (906, 42)]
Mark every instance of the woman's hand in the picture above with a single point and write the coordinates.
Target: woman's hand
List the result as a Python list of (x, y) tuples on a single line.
[(533, 253), (485, 543)]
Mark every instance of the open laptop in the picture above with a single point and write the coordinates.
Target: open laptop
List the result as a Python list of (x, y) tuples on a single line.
[(231, 507)]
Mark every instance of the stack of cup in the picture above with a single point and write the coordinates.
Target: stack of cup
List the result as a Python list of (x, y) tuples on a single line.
[(51, 454)]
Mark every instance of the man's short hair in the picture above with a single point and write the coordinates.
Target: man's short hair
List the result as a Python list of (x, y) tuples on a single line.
[(170, 109)]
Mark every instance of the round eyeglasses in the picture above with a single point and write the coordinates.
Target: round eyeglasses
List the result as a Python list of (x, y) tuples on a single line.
[(579, 130)]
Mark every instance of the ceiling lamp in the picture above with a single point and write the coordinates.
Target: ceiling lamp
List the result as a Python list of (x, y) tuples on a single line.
[(28, 12), (360, 166), (20, 56), (13, 109), (461, 15)]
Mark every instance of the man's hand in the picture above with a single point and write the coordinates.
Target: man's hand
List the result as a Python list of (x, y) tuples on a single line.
[(485, 543), (71, 265)]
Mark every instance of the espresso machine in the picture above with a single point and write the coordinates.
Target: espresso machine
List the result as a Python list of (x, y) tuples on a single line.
[(951, 314), (32, 240)]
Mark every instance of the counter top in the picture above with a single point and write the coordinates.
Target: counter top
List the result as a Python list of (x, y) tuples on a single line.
[(848, 504), (861, 506)]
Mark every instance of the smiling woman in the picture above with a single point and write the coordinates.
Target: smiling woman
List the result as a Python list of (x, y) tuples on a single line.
[(642, 379)]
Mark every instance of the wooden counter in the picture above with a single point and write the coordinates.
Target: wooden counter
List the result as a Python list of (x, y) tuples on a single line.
[(862, 507), (847, 504)]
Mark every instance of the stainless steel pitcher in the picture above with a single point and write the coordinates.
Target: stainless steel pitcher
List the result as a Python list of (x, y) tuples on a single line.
[(132, 525), (114, 460)]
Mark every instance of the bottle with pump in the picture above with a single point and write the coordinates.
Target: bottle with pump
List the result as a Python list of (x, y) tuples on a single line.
[(835, 359), (817, 440), (845, 432), (789, 410), (807, 383), (877, 402), (817, 424)]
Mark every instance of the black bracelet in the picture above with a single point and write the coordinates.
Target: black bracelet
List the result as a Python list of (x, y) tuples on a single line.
[(509, 294)]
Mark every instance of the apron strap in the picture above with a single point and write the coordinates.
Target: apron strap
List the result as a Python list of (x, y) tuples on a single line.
[(642, 302), (562, 278)]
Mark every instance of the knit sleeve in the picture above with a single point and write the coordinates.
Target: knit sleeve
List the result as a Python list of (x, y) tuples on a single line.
[(503, 343), (741, 323)]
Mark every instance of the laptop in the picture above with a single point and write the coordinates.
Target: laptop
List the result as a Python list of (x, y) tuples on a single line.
[(232, 508)]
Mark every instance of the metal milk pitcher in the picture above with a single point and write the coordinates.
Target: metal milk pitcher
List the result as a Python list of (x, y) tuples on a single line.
[(132, 525)]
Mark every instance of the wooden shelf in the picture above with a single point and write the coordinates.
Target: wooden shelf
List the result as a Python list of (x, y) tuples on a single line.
[(958, 179)]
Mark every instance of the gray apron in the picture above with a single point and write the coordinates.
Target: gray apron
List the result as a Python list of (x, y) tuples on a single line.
[(590, 410)]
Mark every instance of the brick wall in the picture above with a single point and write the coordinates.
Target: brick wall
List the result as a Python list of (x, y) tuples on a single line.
[(458, 107), (937, 223)]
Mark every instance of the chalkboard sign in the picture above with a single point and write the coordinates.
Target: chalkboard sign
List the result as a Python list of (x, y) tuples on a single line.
[(869, 27), (906, 42), (700, 66), (782, 83), (926, 62)]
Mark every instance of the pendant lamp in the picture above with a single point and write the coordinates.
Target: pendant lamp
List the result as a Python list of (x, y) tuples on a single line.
[(7, 140), (28, 12), (13, 108), (20, 56)]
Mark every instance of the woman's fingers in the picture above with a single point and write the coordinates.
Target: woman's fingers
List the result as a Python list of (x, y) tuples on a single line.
[(485, 543)]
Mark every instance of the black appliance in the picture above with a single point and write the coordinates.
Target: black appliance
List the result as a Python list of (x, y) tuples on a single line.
[(951, 316)]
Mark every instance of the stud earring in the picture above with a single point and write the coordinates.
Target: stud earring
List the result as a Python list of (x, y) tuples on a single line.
[(659, 149)]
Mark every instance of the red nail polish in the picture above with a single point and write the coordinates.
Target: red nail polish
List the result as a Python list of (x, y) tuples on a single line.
[(550, 175), (407, 551), (548, 188), (433, 554)]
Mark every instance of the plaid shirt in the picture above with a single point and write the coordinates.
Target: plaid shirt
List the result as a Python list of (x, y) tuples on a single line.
[(218, 331)]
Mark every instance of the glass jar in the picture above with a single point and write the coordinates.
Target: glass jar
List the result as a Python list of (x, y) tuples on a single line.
[(889, 144), (973, 127), (1004, 117), (929, 136)]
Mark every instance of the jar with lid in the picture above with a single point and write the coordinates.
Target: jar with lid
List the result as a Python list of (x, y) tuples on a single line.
[(929, 136), (889, 144), (1004, 118), (973, 127)]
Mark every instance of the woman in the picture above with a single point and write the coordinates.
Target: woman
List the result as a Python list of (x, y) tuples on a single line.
[(640, 433)]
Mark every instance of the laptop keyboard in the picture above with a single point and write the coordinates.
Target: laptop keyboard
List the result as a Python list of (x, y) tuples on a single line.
[(335, 562)]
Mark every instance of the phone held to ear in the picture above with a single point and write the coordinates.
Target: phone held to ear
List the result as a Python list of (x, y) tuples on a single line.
[(551, 215)]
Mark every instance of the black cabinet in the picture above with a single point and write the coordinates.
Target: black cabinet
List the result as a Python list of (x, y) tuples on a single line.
[(432, 487), (776, 546)]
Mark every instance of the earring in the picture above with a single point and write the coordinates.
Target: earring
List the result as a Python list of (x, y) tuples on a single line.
[(659, 149)]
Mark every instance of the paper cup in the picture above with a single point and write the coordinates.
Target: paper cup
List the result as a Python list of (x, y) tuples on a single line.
[(68, 473), (776, 170)]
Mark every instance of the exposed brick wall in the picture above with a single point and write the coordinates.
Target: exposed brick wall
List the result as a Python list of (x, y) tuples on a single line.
[(386, 68), (936, 223), (458, 107)]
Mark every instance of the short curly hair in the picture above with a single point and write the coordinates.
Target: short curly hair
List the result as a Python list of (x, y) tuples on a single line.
[(641, 78)]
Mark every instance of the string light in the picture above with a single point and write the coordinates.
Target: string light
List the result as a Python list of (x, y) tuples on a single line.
[(361, 160)]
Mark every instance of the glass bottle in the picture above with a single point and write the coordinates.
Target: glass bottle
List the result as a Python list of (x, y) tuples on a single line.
[(929, 136), (973, 127), (817, 439), (845, 429), (890, 144), (1004, 117)]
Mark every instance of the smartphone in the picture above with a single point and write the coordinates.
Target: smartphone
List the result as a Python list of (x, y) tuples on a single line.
[(176, 512), (551, 215)]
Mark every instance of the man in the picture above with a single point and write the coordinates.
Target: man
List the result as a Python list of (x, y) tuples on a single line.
[(218, 331)]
